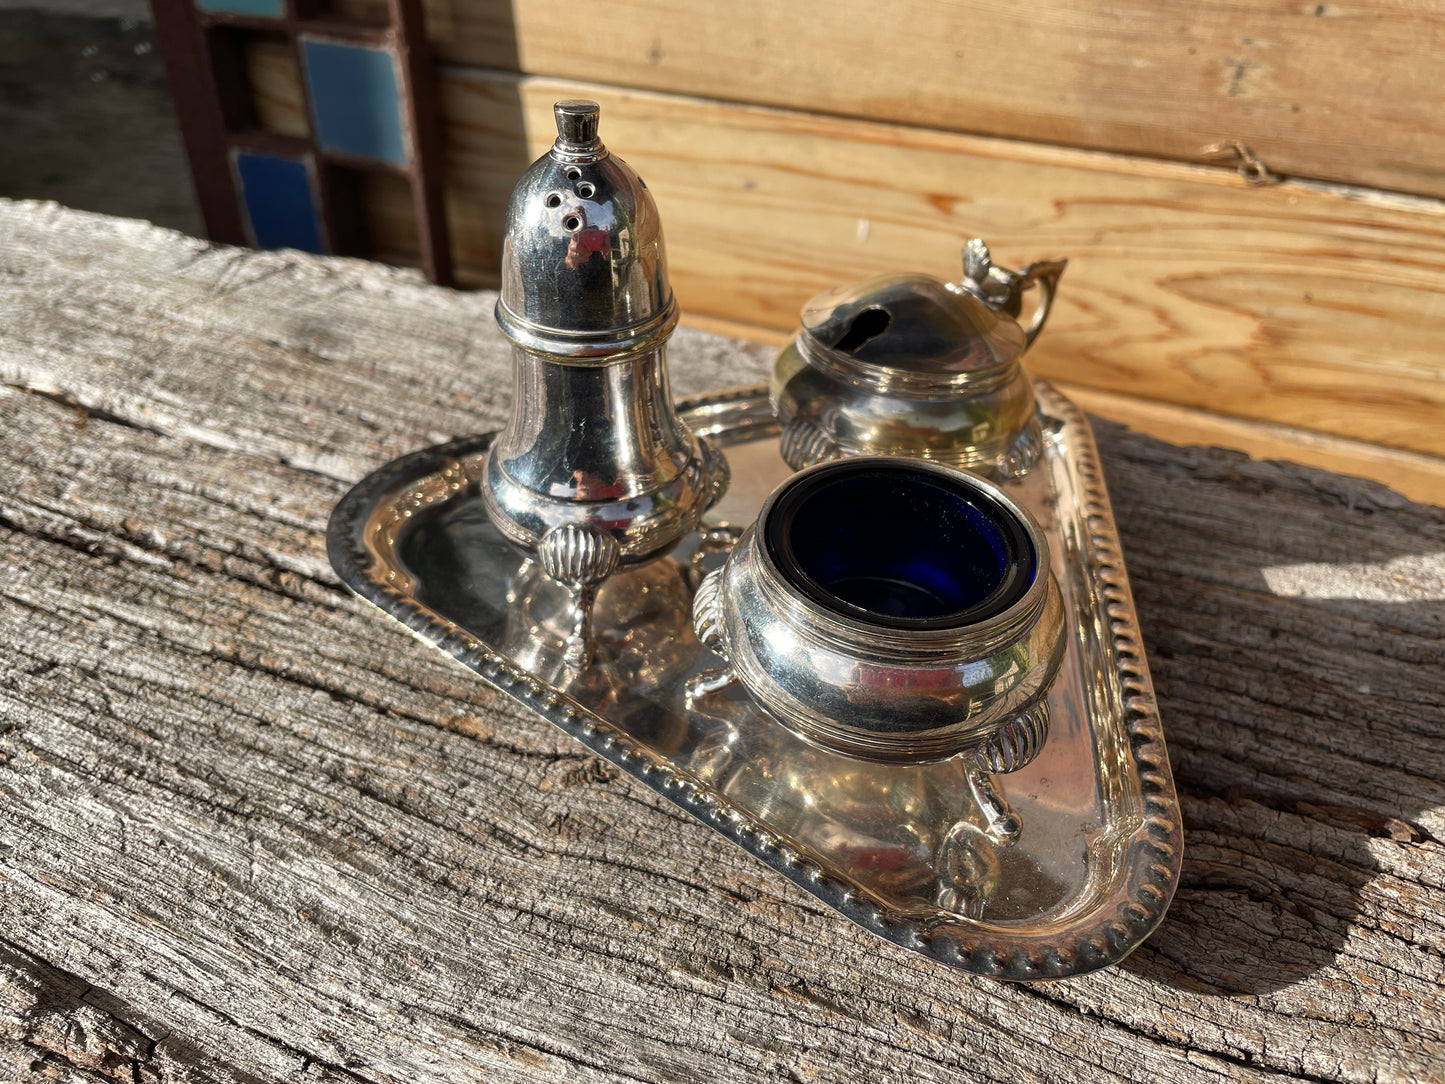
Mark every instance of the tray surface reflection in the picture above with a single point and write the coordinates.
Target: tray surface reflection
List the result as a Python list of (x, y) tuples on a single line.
[(899, 849)]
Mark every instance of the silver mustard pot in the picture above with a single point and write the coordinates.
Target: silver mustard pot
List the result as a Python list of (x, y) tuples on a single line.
[(909, 365)]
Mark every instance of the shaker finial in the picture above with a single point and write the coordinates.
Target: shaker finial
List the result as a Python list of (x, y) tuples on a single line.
[(577, 121)]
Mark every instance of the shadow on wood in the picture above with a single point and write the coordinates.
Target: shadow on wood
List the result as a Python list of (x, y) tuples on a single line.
[(1298, 727)]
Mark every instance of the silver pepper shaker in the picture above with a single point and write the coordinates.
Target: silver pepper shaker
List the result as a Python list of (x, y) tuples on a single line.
[(594, 471)]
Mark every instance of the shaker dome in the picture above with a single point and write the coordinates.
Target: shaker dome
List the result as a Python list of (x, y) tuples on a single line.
[(584, 273)]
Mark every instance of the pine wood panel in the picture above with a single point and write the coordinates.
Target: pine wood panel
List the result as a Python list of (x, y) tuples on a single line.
[(253, 831), (1419, 477), (1345, 91), (1296, 303), (1292, 304), (275, 86)]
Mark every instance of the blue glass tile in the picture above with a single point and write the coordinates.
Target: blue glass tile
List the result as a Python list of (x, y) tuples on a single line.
[(272, 9), (354, 100), (280, 201)]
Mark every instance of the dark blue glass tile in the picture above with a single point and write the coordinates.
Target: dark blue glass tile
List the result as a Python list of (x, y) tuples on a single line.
[(354, 100), (280, 201)]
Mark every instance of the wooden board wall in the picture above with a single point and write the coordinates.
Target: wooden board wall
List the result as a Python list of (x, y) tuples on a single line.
[(1298, 303), (1344, 90)]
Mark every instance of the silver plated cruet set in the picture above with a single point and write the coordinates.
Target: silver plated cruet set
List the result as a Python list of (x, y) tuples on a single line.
[(870, 621)]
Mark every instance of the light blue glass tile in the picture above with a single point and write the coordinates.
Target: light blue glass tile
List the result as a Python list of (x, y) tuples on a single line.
[(271, 9), (279, 199), (354, 100)]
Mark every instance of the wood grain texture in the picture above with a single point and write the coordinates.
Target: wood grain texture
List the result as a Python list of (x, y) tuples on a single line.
[(276, 95), (1294, 304), (1419, 477), (252, 831), (1336, 91)]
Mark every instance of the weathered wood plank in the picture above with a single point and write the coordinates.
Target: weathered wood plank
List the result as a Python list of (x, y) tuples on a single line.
[(1333, 91), (1293, 304), (250, 830)]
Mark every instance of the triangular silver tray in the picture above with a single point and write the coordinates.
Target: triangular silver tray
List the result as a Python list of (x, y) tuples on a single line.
[(1099, 856)]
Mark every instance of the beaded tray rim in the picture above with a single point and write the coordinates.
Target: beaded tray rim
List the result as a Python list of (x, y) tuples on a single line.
[(1152, 855)]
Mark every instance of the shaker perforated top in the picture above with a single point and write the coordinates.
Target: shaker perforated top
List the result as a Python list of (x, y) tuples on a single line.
[(583, 251)]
